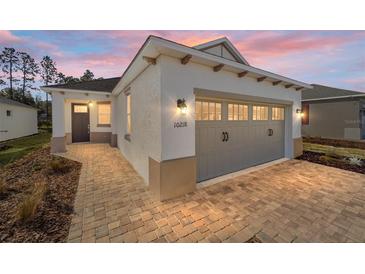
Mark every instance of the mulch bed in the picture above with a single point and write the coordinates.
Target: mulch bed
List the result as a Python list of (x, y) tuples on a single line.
[(314, 157), (52, 219), (334, 142)]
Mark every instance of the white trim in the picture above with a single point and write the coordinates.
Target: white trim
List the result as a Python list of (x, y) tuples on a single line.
[(50, 89), (238, 173), (335, 97), (223, 40), (160, 43)]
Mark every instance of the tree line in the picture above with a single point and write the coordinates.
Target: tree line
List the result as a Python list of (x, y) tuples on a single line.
[(19, 74)]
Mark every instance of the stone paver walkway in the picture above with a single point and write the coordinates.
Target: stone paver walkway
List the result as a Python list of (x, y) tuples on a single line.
[(294, 201)]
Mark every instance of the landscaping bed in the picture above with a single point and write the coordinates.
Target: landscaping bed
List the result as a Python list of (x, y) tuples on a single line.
[(333, 161), (37, 194)]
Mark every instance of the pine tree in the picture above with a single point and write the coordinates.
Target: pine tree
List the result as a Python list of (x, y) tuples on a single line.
[(88, 76), (48, 74), (29, 69), (10, 64)]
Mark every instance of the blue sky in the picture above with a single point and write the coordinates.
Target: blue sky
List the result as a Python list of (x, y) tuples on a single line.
[(333, 58)]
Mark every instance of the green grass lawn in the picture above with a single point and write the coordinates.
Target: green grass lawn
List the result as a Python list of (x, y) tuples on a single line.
[(342, 151), (21, 146)]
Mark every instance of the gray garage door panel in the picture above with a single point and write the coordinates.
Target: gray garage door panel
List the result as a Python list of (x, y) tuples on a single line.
[(249, 144)]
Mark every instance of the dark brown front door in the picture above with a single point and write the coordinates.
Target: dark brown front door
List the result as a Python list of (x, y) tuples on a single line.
[(80, 123)]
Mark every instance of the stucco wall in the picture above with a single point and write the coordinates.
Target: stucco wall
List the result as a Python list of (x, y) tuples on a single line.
[(333, 120), (22, 122), (146, 121), (179, 81)]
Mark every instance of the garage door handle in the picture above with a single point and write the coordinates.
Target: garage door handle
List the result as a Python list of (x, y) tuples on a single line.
[(270, 132), (224, 136)]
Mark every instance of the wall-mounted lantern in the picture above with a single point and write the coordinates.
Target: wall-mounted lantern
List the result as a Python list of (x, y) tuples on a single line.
[(182, 106), (90, 103), (300, 112)]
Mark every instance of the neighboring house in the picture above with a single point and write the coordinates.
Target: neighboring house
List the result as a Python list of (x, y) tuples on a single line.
[(181, 115), (333, 113), (16, 119)]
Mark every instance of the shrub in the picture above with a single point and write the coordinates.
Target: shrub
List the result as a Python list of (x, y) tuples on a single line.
[(29, 206), (58, 166), (355, 161)]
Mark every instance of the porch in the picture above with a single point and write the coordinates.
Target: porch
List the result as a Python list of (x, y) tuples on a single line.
[(82, 117)]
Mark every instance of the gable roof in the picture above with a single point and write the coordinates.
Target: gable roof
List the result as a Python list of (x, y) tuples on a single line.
[(101, 85), (7, 101), (227, 45), (155, 46), (320, 92)]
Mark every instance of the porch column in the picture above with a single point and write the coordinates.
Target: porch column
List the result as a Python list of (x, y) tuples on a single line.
[(58, 142), (114, 136)]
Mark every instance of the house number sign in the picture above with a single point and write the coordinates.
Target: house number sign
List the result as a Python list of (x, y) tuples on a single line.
[(180, 124)]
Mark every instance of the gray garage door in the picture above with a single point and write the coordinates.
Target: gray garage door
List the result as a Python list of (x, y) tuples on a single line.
[(224, 146)]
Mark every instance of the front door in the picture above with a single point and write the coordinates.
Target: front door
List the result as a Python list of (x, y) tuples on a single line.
[(80, 123)]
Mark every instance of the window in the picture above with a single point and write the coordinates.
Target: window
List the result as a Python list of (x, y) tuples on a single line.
[(208, 111), (260, 113), (80, 108), (277, 114), (305, 115), (237, 112), (104, 112), (129, 120), (8, 113)]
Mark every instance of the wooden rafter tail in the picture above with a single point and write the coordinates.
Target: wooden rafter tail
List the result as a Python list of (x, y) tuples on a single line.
[(150, 60), (289, 86), (218, 67), (242, 74), (299, 88), (186, 59), (276, 83), (261, 79)]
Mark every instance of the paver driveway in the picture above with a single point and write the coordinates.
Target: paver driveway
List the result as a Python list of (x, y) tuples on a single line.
[(294, 201)]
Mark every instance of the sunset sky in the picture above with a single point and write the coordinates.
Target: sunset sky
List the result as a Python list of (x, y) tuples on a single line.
[(334, 58)]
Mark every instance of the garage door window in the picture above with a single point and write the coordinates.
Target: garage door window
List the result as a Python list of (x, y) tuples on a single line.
[(277, 114), (260, 113), (237, 112), (208, 111)]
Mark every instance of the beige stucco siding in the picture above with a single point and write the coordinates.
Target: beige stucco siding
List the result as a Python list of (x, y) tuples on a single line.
[(22, 122), (333, 120), (145, 138)]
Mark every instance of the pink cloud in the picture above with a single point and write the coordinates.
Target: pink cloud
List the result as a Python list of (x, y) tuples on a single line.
[(6, 37)]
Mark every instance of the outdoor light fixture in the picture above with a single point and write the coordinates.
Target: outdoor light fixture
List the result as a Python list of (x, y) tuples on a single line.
[(300, 112), (90, 103), (182, 106)]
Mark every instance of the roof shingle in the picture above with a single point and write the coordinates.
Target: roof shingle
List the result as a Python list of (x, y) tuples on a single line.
[(321, 92), (102, 85)]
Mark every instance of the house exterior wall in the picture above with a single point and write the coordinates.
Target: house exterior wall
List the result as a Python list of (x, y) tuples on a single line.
[(22, 122), (180, 81), (338, 120), (145, 138)]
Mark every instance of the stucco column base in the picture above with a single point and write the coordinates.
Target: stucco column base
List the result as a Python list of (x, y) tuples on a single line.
[(113, 140), (172, 178), (58, 144), (298, 146)]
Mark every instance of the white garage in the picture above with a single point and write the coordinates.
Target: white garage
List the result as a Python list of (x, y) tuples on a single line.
[(16, 119)]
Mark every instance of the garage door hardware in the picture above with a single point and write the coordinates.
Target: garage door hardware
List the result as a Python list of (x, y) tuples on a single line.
[(225, 136), (270, 132)]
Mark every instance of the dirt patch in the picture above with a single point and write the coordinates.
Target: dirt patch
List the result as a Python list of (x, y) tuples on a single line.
[(52, 218), (334, 142), (318, 158)]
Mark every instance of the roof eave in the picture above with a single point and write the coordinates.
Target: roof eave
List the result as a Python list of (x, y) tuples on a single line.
[(51, 89), (153, 40)]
